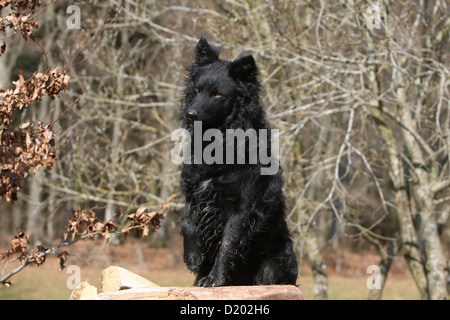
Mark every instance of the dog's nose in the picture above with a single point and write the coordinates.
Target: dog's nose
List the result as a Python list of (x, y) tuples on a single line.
[(191, 115)]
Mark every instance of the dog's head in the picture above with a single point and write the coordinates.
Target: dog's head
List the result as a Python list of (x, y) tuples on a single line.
[(217, 89)]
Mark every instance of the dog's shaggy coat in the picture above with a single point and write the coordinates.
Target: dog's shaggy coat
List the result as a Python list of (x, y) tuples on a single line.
[(233, 226)]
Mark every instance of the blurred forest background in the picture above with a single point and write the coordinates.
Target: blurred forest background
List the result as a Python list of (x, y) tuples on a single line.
[(358, 89)]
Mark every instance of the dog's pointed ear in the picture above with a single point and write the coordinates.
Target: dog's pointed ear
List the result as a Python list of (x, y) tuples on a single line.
[(204, 53), (244, 68)]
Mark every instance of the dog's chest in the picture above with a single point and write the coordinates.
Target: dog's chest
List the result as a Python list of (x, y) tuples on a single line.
[(212, 204), (212, 195)]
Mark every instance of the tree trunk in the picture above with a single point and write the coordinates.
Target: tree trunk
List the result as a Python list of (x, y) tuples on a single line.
[(425, 176), (315, 227), (315, 258), (35, 220), (385, 265), (410, 243)]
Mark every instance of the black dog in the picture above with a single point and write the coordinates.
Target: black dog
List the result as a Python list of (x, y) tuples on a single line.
[(233, 226)]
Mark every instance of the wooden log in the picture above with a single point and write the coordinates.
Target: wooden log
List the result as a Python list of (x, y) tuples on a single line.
[(84, 292), (273, 292), (121, 284), (116, 278)]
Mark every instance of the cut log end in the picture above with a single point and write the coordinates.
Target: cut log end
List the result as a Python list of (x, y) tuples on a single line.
[(84, 292), (117, 278)]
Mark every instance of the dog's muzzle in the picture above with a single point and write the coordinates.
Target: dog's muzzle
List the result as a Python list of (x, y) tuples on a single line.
[(191, 115)]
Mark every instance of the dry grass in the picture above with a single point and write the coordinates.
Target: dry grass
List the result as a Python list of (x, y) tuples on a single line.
[(165, 268), (354, 288)]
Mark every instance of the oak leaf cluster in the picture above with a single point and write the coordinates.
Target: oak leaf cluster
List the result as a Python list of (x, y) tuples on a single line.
[(19, 19), (31, 144)]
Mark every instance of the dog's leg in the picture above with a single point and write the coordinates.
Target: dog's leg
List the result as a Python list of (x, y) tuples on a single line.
[(235, 243), (192, 255), (278, 269)]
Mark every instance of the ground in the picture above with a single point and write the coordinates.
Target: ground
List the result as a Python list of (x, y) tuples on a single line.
[(165, 268)]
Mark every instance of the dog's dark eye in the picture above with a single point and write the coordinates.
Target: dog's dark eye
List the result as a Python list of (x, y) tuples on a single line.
[(218, 95), (197, 89)]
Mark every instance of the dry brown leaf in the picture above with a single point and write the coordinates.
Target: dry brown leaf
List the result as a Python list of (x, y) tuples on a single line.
[(62, 257), (36, 139)]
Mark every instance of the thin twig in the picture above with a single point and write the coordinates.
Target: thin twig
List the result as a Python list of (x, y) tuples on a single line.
[(30, 257), (103, 27)]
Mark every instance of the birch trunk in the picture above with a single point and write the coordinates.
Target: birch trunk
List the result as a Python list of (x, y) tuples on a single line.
[(425, 176), (314, 227), (410, 243)]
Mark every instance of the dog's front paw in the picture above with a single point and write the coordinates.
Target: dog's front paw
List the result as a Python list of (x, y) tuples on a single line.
[(211, 281)]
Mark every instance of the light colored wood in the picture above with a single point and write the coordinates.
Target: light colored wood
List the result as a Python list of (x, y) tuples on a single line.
[(274, 292), (270, 292), (85, 291), (116, 278), (152, 293), (121, 284)]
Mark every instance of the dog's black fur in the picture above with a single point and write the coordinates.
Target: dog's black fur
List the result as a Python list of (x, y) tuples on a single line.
[(233, 226)]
